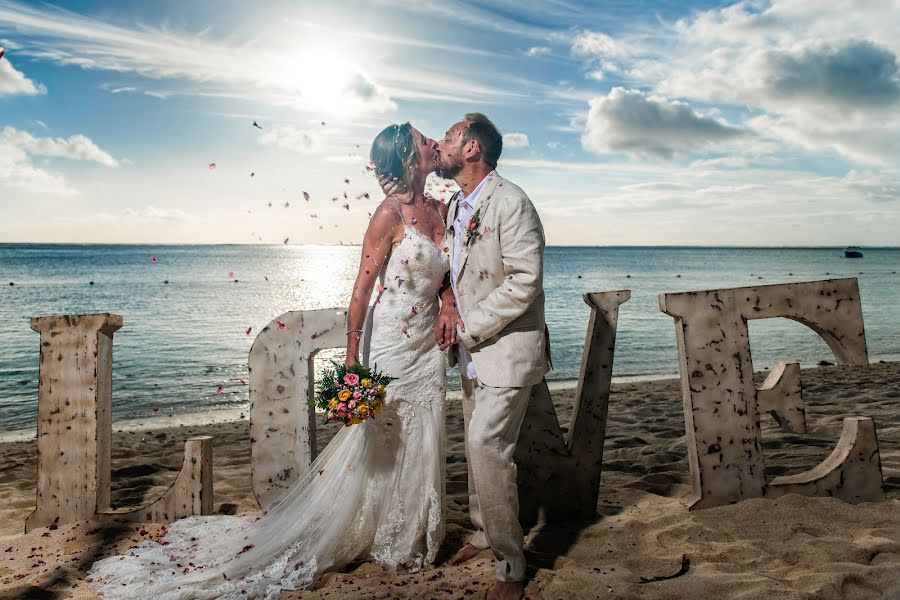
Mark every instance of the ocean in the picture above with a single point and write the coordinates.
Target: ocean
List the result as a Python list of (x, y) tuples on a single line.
[(183, 339)]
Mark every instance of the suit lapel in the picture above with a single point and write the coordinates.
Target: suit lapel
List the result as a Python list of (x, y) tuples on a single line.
[(481, 205)]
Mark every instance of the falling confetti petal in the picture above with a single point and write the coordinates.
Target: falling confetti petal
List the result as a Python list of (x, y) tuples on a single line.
[(286, 240), (287, 204), (313, 216), (252, 174), (335, 199), (219, 390), (242, 382), (257, 125), (280, 324), (347, 181), (487, 230), (155, 410), (153, 259), (346, 205), (306, 196), (249, 329), (212, 166), (230, 274), (270, 205)]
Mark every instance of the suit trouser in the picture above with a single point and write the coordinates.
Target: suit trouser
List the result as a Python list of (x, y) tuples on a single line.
[(493, 417)]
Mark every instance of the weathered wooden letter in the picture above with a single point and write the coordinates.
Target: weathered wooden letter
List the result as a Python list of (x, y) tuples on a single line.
[(546, 459), (722, 404), (74, 428), (282, 381)]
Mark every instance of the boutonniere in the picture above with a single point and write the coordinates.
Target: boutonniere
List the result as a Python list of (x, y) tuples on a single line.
[(472, 227)]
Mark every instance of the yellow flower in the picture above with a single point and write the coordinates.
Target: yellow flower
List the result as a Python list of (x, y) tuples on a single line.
[(363, 410), (355, 421), (343, 395), (332, 404), (366, 383), (377, 409)]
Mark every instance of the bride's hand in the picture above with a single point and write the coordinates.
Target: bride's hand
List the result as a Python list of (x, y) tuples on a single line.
[(351, 359)]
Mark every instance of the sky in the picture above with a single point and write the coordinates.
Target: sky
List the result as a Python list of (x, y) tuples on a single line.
[(754, 123)]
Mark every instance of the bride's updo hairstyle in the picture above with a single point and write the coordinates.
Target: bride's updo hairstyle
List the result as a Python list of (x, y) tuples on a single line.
[(394, 155)]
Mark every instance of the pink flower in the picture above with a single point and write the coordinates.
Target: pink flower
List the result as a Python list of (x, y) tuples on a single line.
[(357, 395), (342, 408), (351, 378), (373, 392), (471, 226), (351, 405)]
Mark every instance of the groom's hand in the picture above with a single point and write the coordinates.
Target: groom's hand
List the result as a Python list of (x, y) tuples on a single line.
[(388, 185)]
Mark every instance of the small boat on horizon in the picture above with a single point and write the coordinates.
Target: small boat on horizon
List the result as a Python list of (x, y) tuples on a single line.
[(852, 252)]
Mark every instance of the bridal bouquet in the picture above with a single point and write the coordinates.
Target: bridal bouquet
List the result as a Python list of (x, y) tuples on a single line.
[(351, 395)]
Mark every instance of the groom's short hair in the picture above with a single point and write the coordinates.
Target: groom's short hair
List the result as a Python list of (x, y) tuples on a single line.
[(489, 139)]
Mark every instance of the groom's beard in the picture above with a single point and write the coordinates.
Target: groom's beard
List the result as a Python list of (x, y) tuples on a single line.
[(448, 168)]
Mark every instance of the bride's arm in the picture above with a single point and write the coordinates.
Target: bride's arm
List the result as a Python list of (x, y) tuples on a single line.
[(379, 239)]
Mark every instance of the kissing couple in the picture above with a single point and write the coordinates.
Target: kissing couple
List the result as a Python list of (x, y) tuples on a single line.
[(466, 276)]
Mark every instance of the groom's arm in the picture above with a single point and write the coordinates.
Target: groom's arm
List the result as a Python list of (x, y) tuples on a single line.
[(522, 253)]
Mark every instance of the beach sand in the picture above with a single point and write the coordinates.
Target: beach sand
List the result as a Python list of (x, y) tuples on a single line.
[(793, 547)]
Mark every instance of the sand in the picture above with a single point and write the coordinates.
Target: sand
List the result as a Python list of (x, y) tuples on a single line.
[(793, 547)]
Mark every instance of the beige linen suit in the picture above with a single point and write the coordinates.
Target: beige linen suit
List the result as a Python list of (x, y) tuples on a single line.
[(501, 301)]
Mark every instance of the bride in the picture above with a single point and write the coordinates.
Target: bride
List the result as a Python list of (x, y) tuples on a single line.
[(377, 490)]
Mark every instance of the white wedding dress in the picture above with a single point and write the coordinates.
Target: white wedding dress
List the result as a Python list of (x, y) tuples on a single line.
[(376, 492)]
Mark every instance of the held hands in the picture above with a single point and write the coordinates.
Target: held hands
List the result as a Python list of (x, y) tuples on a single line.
[(445, 329)]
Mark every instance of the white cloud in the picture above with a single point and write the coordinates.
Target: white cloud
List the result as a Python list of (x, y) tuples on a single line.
[(538, 51), (599, 45), (818, 76), (290, 138), (15, 82), (76, 147), (18, 171), (515, 140), (635, 123)]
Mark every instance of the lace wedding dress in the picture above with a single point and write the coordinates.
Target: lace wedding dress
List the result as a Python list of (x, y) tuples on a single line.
[(376, 491)]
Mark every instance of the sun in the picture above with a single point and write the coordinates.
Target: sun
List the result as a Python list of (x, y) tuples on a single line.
[(320, 74)]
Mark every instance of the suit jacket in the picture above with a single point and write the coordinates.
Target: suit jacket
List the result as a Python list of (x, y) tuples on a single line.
[(500, 288)]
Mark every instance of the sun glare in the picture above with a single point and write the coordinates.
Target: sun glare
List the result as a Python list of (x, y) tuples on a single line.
[(321, 75)]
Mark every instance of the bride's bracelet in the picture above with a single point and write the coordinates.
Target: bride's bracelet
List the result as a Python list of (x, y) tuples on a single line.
[(355, 331)]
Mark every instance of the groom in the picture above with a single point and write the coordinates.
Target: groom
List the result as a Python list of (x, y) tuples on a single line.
[(496, 283)]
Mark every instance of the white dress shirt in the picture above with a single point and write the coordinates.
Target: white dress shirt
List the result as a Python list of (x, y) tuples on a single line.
[(465, 208)]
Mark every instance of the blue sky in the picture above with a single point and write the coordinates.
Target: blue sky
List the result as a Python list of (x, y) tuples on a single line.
[(707, 123)]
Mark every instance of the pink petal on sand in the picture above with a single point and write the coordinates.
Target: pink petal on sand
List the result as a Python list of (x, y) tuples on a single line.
[(242, 382), (280, 324)]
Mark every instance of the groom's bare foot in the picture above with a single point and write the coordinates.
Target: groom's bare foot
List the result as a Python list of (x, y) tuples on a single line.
[(465, 553), (504, 590)]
